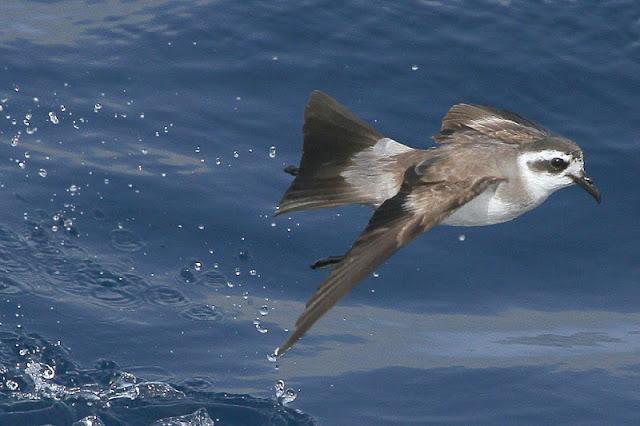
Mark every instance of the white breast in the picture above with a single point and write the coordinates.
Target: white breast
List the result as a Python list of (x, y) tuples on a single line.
[(488, 208)]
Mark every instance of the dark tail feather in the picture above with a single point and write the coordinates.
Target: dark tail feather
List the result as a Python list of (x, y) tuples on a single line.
[(332, 136)]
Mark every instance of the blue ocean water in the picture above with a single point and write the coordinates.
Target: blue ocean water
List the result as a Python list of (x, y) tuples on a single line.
[(143, 277)]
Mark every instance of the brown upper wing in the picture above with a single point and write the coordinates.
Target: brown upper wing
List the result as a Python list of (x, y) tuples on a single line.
[(468, 123), (416, 208)]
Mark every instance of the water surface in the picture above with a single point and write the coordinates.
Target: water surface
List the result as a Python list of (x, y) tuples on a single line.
[(139, 182)]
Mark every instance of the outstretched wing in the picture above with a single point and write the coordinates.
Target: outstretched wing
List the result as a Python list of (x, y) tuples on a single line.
[(466, 123), (416, 208)]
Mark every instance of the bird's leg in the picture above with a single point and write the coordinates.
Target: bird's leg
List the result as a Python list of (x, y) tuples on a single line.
[(327, 261), (291, 169)]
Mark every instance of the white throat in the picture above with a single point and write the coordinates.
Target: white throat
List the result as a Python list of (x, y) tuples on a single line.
[(540, 184)]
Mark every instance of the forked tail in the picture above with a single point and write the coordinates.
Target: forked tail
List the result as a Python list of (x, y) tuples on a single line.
[(344, 160)]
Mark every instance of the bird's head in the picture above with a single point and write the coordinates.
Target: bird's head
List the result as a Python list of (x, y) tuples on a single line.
[(554, 163)]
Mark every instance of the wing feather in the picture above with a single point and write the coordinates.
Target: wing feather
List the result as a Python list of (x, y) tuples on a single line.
[(466, 123), (416, 208)]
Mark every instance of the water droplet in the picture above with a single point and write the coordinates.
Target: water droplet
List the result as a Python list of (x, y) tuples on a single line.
[(47, 371), (243, 254), (283, 396), (97, 107), (53, 117), (197, 149), (237, 272), (264, 310), (197, 266), (272, 357), (201, 227), (31, 130), (462, 237), (272, 151), (236, 154), (74, 188), (376, 275), (414, 68), (218, 161), (253, 272), (289, 396), (11, 385), (22, 164), (261, 329), (91, 421), (42, 173), (279, 387)]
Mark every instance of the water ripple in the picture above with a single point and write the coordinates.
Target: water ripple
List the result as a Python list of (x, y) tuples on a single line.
[(125, 240), (116, 297), (166, 296), (11, 286), (203, 312), (213, 278), (63, 268)]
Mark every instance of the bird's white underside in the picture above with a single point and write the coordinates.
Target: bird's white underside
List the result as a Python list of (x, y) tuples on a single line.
[(493, 207), (488, 208)]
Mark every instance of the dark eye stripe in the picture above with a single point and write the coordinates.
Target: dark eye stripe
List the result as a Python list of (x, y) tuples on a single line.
[(548, 166)]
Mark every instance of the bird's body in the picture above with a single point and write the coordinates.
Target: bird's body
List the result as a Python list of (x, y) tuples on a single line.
[(491, 166)]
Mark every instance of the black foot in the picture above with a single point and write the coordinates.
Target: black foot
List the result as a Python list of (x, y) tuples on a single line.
[(292, 170), (327, 261)]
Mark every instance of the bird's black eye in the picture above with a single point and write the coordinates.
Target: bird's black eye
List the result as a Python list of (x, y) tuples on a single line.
[(559, 163)]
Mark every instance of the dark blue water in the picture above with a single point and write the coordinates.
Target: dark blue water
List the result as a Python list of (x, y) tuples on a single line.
[(137, 244)]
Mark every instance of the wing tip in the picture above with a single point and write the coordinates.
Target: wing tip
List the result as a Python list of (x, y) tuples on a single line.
[(282, 349), (318, 94)]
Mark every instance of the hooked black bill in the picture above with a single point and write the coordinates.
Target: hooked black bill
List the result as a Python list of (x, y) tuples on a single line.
[(587, 184)]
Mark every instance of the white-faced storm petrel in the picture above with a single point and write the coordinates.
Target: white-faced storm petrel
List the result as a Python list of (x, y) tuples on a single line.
[(491, 166)]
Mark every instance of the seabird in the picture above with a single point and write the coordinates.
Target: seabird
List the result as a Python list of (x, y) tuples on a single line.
[(491, 166)]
